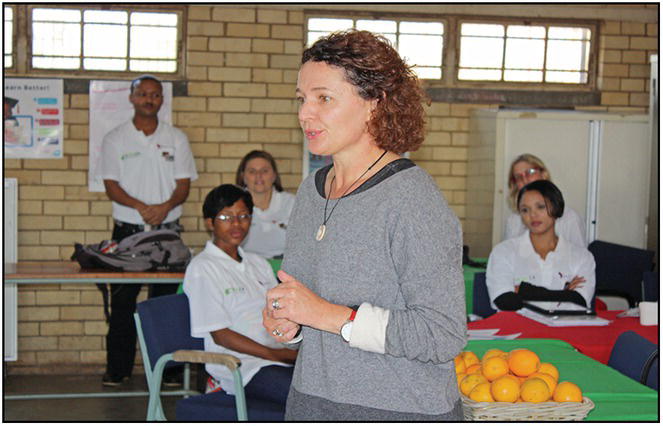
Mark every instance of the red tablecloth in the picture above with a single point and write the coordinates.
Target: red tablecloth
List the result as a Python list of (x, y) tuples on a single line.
[(595, 342)]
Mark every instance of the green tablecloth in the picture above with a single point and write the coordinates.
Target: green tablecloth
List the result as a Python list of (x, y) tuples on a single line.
[(616, 396), (468, 275)]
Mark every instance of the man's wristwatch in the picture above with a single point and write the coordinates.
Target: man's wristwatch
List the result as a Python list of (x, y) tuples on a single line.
[(346, 328)]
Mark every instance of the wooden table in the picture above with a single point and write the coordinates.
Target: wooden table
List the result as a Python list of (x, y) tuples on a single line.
[(59, 272)]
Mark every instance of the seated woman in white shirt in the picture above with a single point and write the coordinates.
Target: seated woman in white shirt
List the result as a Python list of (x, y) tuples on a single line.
[(528, 168), (272, 205), (227, 287), (539, 265)]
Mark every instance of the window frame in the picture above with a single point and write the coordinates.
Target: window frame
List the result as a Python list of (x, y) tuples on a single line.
[(398, 17), (451, 46), (14, 36), (592, 76), (180, 10)]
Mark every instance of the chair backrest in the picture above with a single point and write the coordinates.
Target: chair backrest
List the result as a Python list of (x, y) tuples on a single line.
[(619, 269), (653, 376), (633, 356), (165, 323), (650, 282), (480, 299)]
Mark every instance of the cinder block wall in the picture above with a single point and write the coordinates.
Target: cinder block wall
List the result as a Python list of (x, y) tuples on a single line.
[(241, 70)]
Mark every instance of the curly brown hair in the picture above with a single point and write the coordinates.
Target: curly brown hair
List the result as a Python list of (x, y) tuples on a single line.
[(376, 69)]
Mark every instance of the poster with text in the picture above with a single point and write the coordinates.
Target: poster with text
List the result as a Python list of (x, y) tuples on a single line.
[(33, 118), (110, 107)]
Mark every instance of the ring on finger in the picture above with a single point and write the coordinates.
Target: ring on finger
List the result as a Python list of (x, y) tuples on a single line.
[(277, 332), (276, 304)]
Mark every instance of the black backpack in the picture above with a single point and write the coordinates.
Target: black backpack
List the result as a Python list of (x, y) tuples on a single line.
[(158, 250)]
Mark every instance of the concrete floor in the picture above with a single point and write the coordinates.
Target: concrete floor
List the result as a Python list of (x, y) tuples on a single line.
[(113, 409)]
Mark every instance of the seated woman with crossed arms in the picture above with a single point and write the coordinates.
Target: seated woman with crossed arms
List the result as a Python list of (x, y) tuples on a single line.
[(539, 265)]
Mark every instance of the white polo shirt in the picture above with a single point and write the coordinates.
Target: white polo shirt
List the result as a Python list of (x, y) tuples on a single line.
[(515, 260), (268, 227), (569, 226), (146, 167), (224, 293)]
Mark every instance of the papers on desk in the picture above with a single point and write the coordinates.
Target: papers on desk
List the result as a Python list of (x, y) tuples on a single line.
[(563, 320), (489, 334)]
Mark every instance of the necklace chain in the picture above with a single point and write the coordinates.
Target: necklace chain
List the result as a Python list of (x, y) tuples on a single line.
[(325, 217)]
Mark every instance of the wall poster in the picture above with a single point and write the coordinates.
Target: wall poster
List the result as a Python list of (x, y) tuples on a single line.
[(33, 118)]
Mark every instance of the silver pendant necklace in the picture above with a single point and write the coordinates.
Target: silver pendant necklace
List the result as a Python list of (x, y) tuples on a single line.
[(322, 230)]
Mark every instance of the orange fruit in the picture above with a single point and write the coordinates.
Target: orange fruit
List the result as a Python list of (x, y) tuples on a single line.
[(470, 381), (493, 352), (481, 393), (460, 377), (567, 392), (460, 364), (550, 380), (494, 367), (523, 362), (514, 378), (470, 358), (534, 390), (548, 368), (473, 369), (505, 389)]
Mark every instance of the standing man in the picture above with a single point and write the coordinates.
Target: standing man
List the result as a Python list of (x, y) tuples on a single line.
[(147, 167)]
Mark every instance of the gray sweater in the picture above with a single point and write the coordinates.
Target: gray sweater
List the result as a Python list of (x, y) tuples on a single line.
[(396, 245)]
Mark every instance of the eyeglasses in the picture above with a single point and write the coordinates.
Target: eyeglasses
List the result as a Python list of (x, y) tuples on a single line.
[(520, 177), (241, 217)]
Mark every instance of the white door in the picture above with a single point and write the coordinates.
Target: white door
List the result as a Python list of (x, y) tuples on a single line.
[(623, 183), (563, 146)]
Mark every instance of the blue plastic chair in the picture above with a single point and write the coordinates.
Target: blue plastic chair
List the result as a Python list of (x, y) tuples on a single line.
[(164, 332), (480, 299), (635, 356), (620, 269)]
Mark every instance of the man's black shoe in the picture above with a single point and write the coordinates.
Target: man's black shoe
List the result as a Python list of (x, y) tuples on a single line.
[(113, 380)]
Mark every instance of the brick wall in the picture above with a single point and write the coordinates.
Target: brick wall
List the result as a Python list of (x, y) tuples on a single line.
[(241, 69)]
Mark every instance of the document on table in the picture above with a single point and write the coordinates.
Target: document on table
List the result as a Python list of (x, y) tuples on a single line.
[(489, 334), (563, 320)]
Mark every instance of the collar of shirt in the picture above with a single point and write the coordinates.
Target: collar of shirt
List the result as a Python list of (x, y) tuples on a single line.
[(215, 251), (526, 249)]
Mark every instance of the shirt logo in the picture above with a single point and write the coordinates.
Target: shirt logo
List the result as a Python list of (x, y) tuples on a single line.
[(129, 155)]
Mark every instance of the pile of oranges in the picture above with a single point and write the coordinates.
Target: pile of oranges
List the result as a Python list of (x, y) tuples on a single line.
[(516, 376)]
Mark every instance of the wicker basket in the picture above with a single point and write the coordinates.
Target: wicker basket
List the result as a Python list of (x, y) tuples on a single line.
[(499, 411)]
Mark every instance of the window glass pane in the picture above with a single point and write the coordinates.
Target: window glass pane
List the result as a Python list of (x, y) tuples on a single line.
[(155, 66), (56, 15), (328, 24), (56, 39), (428, 72), (467, 74), (96, 40), (421, 49), (57, 63), (106, 16), (422, 28), (481, 52), (313, 36), (377, 26), (523, 53), (525, 31), (524, 76), (153, 42), (567, 55), (482, 30), (105, 64), (566, 77), (156, 19), (569, 33), (9, 32)]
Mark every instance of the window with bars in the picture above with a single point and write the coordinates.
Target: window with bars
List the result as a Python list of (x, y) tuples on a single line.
[(537, 53), (420, 43), (105, 40), (9, 37)]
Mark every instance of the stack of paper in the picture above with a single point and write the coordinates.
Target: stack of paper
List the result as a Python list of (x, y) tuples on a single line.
[(489, 334), (564, 320)]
